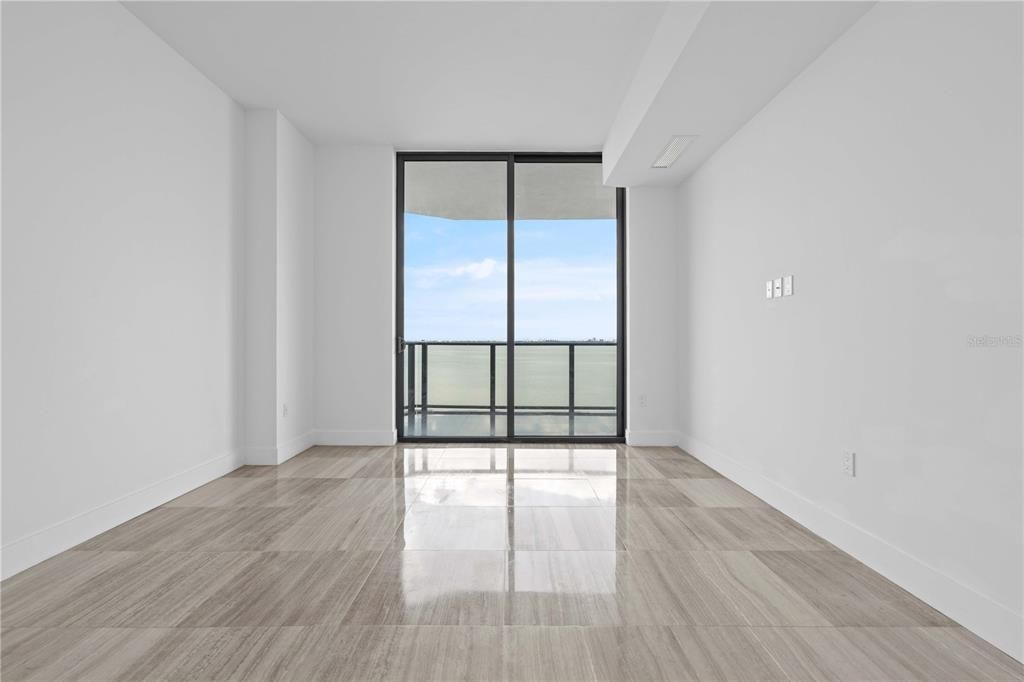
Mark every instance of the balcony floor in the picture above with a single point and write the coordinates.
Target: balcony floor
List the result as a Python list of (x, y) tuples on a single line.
[(482, 426)]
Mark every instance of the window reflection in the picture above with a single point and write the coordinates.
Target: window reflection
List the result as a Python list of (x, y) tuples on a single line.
[(515, 499)]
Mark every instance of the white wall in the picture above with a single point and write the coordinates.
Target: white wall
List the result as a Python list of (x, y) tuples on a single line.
[(261, 201), (279, 288), (295, 289), (887, 179), (355, 276), (652, 348), (122, 215)]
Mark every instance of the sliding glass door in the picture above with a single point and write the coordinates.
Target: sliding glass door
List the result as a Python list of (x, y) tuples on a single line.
[(566, 304), (510, 292), (455, 237)]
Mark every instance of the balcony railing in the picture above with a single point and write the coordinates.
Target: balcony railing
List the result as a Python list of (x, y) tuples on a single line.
[(559, 385)]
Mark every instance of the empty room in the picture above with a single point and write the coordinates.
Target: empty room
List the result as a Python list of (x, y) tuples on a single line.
[(553, 341)]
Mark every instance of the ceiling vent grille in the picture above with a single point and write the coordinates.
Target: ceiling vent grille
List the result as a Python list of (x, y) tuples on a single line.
[(672, 150)]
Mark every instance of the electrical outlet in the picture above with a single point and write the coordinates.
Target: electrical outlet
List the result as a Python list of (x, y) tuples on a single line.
[(768, 289), (643, 400), (284, 410), (777, 287), (850, 464), (787, 285)]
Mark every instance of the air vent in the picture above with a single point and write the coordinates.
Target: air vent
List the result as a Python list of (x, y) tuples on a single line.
[(672, 150)]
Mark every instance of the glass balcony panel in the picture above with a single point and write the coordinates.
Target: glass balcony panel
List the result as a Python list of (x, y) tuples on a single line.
[(542, 376), (459, 376), (595, 376)]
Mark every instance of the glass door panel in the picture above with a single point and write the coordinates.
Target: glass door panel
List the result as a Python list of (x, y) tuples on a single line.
[(454, 306), (566, 301)]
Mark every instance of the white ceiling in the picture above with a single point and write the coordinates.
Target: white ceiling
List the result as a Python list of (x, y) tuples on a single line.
[(709, 69), (421, 75), (619, 76)]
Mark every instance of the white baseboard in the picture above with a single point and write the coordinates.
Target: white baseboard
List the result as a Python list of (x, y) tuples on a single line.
[(27, 551), (991, 621), (355, 437), (651, 438), (285, 451)]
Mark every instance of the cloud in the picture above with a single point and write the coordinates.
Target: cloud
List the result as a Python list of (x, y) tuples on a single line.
[(554, 299), (430, 277), (479, 270), (552, 280)]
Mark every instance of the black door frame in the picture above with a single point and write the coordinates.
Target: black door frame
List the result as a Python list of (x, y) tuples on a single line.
[(510, 159)]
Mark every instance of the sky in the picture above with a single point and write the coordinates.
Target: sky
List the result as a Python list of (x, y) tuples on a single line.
[(455, 279)]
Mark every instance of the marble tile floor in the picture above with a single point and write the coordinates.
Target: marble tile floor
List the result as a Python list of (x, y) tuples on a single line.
[(598, 562)]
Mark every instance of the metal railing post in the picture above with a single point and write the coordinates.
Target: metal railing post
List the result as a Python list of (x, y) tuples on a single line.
[(572, 389), (492, 388), (411, 371), (423, 388)]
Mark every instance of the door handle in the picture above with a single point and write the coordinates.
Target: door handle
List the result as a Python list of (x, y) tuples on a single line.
[(400, 344)]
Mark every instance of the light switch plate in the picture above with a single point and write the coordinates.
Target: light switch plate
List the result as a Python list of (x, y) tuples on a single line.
[(777, 288), (787, 285), (768, 289)]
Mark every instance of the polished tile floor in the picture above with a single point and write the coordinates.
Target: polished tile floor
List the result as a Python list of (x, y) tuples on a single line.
[(480, 563)]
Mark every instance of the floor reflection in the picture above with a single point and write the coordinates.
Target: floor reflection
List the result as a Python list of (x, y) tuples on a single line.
[(529, 502), (571, 526)]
